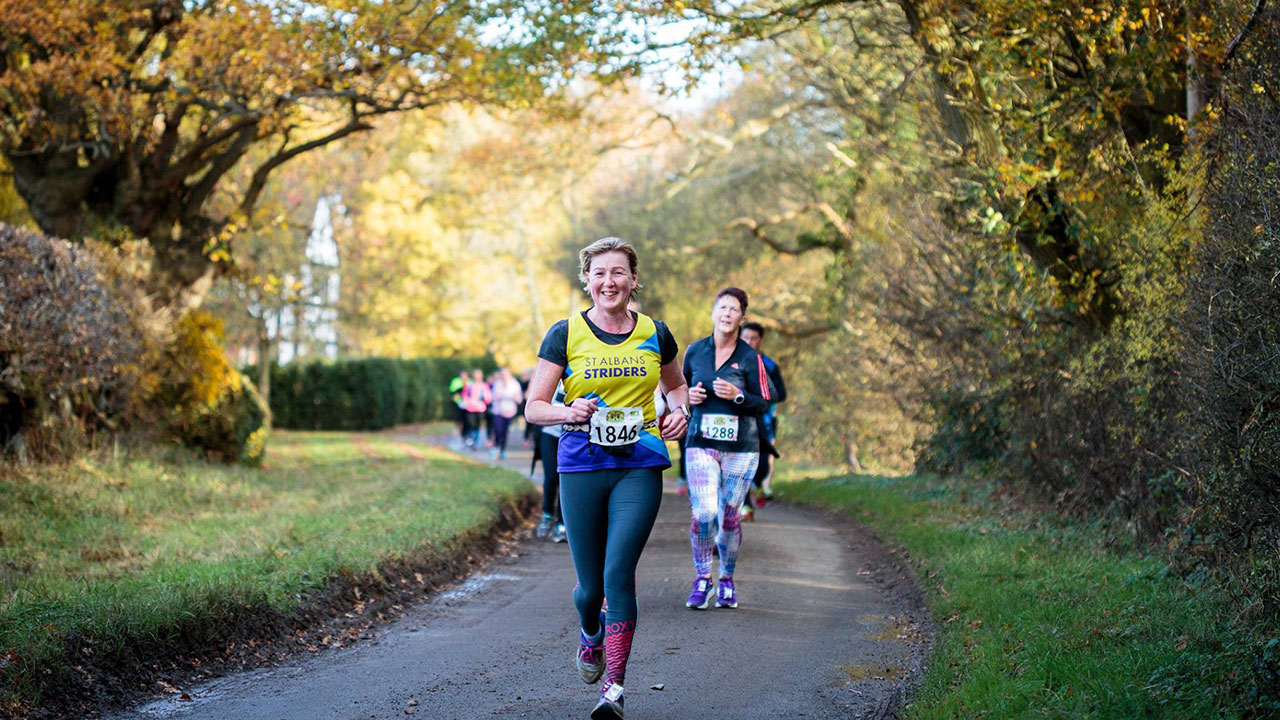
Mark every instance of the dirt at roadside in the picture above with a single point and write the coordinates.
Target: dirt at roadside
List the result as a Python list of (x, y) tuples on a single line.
[(889, 568)]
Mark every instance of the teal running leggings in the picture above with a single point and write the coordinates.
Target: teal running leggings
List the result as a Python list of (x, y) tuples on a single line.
[(608, 515)]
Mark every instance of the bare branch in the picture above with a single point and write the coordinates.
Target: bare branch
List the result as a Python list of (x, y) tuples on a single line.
[(259, 181), (1239, 38), (758, 228)]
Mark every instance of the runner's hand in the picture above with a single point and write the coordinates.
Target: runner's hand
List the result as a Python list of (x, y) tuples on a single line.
[(697, 394), (673, 425), (725, 389), (581, 410)]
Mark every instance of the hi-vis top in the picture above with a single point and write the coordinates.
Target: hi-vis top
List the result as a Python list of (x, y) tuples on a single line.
[(619, 377)]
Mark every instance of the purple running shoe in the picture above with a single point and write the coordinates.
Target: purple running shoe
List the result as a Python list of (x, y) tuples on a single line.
[(726, 596), (700, 598), (610, 705)]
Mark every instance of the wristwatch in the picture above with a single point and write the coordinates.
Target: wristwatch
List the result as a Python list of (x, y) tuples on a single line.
[(684, 409), (739, 399)]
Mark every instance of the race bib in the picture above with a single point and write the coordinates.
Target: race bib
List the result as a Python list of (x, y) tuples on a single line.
[(720, 427), (616, 426)]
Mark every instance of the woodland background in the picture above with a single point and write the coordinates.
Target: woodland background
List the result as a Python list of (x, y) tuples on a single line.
[(1032, 242)]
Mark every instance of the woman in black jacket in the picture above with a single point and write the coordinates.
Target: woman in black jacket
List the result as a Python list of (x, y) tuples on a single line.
[(728, 390)]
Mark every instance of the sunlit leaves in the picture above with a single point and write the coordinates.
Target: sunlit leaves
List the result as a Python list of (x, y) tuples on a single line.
[(130, 113)]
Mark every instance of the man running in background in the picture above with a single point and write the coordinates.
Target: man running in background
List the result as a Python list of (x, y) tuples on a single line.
[(753, 334)]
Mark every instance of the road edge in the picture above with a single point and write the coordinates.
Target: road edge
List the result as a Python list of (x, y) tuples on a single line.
[(346, 611)]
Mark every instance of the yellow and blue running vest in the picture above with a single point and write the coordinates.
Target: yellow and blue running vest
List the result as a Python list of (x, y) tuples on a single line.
[(622, 375)]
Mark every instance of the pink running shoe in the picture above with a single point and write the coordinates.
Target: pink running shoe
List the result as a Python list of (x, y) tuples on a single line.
[(590, 657)]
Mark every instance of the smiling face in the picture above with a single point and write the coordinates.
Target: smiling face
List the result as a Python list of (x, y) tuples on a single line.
[(726, 316), (610, 281)]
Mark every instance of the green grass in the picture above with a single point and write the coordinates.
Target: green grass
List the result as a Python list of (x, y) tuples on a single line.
[(1039, 619), (122, 551)]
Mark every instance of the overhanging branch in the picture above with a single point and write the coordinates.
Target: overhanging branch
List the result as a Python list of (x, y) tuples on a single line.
[(260, 175), (759, 229), (1258, 7)]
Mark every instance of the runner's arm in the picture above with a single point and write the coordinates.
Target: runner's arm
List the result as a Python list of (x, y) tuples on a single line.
[(779, 388), (539, 409), (756, 396), (676, 391)]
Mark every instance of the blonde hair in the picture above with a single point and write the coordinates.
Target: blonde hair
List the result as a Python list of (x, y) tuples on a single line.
[(602, 246)]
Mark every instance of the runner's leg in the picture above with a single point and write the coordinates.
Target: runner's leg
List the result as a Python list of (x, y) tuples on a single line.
[(737, 471), (501, 426), (703, 468), (550, 475), (633, 508), (584, 500)]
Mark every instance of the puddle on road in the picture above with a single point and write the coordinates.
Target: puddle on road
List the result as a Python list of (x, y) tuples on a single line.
[(474, 585), (174, 704)]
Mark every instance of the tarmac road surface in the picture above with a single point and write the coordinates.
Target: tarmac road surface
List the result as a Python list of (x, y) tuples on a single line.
[(828, 626)]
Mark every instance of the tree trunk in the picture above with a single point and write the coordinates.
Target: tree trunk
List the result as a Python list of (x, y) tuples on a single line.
[(531, 282), (54, 185), (852, 458), (1195, 76), (60, 187), (266, 351)]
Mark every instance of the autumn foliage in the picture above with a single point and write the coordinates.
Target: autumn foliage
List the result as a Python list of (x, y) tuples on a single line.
[(129, 114), (74, 344), (209, 404)]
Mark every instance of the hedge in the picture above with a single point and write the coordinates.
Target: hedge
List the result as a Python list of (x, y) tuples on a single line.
[(364, 393)]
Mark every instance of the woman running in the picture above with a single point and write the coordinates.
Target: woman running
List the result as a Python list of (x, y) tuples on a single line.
[(728, 389), (476, 398), (507, 398), (612, 452)]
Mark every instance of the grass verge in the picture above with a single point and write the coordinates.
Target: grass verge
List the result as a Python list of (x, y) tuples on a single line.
[(1040, 619), (113, 557)]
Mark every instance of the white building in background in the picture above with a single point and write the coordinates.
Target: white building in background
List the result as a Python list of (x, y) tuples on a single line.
[(317, 333)]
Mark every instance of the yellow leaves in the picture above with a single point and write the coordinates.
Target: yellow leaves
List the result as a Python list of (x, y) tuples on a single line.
[(198, 362), (937, 33), (218, 247)]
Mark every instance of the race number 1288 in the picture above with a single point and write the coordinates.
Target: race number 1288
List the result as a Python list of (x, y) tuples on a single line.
[(720, 427)]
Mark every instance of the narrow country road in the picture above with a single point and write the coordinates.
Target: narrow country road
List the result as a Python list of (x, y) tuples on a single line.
[(828, 627)]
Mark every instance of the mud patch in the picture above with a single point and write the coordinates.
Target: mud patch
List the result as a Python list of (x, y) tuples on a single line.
[(874, 673)]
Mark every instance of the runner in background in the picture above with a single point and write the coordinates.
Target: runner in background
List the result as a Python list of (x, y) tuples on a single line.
[(488, 411), (612, 451), (728, 390), (459, 412), (552, 523), (476, 398), (531, 431), (753, 335), (507, 398)]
